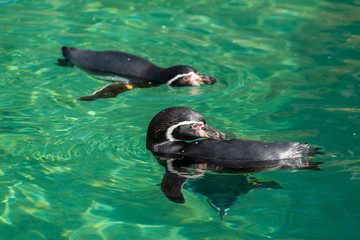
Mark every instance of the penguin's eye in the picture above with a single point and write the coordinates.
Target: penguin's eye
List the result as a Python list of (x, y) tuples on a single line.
[(197, 125), (185, 79)]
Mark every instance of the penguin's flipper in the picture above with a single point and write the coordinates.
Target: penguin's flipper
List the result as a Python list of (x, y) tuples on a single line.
[(171, 186), (109, 91)]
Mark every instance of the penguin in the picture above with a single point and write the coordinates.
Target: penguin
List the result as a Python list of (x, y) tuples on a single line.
[(182, 141), (129, 71)]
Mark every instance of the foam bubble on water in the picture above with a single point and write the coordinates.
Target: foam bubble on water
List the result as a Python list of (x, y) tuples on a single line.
[(91, 113)]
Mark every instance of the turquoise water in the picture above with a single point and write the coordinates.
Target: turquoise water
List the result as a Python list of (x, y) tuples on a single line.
[(287, 70)]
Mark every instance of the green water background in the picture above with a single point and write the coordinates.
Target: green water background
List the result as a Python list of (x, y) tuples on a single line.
[(287, 70)]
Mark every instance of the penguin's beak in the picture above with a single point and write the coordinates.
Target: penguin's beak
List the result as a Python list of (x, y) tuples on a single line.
[(205, 79), (210, 132)]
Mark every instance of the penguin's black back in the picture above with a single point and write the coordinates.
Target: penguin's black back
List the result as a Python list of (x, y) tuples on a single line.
[(112, 63), (237, 153)]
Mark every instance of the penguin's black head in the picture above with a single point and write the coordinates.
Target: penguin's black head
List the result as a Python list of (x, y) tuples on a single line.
[(179, 124), (182, 75)]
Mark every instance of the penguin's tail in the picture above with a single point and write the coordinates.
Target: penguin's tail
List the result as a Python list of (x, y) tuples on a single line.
[(312, 165), (309, 164), (315, 151), (65, 62)]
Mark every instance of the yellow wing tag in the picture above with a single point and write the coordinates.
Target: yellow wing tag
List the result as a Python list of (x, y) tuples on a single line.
[(129, 87)]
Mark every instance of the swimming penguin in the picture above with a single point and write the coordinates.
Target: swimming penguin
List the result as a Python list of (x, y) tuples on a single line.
[(180, 138), (129, 71)]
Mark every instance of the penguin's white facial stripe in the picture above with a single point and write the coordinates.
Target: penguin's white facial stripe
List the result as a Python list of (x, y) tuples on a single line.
[(190, 74), (170, 130)]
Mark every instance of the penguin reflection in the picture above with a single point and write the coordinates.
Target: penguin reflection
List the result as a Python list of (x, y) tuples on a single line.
[(220, 186)]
